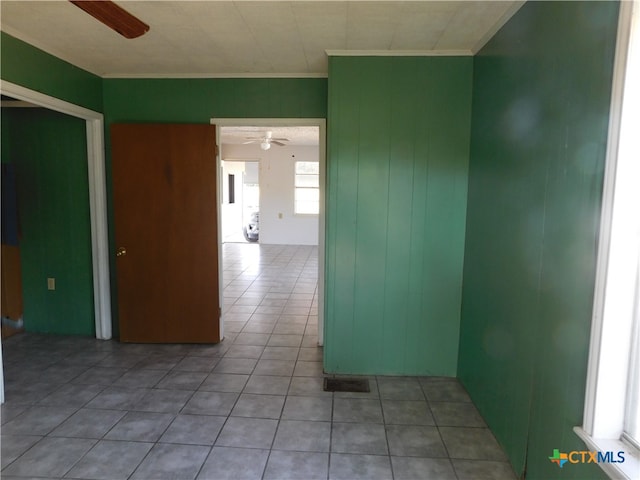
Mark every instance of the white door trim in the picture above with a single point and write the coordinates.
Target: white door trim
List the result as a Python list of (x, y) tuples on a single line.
[(97, 195), (288, 122)]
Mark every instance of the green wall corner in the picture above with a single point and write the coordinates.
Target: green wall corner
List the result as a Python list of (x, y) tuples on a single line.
[(541, 98)]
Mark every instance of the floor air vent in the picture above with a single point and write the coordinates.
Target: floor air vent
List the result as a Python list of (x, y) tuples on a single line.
[(346, 385)]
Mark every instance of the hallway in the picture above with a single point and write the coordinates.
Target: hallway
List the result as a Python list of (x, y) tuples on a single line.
[(250, 407)]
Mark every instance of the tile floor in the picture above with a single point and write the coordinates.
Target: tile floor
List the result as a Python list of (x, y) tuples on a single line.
[(249, 407)]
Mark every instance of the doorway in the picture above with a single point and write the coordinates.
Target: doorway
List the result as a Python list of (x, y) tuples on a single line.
[(97, 202), (44, 159), (240, 206), (282, 148)]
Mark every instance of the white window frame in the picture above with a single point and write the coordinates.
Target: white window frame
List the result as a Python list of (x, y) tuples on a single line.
[(619, 249), (295, 189), (631, 433)]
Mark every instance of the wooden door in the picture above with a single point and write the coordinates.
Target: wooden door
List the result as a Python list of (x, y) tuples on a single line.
[(166, 239)]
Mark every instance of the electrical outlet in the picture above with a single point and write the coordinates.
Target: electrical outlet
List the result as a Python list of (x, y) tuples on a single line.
[(51, 283)]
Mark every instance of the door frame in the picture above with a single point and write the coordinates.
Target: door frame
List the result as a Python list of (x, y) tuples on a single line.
[(97, 196), (321, 123)]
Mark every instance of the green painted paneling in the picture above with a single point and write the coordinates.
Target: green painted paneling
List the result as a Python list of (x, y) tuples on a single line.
[(198, 100), (49, 150), (396, 207), (22, 64), (539, 127)]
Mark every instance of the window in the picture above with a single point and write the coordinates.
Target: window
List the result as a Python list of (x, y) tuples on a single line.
[(307, 188), (232, 188), (631, 427), (612, 409)]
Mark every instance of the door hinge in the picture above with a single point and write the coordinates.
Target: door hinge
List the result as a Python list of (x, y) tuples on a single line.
[(217, 150)]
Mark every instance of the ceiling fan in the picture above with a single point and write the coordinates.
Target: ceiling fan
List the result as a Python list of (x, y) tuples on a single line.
[(114, 17), (266, 140)]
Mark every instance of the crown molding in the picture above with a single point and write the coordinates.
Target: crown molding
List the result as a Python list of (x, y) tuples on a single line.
[(213, 75), (399, 53)]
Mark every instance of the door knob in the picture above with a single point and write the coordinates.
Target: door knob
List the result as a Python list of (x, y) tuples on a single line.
[(121, 252)]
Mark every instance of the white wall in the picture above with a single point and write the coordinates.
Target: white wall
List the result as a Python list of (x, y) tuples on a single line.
[(278, 224)]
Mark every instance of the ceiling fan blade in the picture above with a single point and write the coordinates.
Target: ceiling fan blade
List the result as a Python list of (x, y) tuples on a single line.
[(249, 141), (281, 139), (277, 143), (114, 17)]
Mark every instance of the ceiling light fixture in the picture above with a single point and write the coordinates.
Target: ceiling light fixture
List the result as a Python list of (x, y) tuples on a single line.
[(266, 140)]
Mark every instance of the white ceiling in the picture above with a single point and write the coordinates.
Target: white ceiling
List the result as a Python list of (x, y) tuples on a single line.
[(294, 135), (221, 38)]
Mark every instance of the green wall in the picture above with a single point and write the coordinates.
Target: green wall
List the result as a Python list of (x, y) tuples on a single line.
[(22, 64), (198, 100), (398, 145), (49, 151), (541, 97)]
